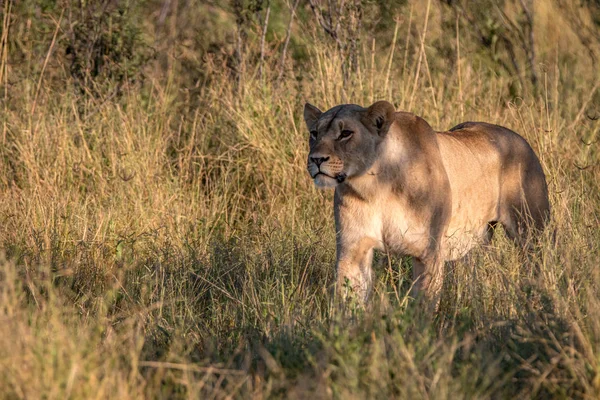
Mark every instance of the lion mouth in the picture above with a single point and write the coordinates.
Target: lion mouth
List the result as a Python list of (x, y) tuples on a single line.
[(341, 177)]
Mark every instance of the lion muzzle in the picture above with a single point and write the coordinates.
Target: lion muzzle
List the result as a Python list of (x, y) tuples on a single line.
[(325, 170)]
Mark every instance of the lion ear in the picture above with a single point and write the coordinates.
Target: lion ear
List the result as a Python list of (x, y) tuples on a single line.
[(379, 117), (311, 115)]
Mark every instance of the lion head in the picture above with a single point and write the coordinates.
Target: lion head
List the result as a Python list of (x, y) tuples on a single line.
[(344, 140)]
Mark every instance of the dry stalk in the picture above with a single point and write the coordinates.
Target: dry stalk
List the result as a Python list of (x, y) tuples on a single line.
[(459, 73), (421, 51), (391, 59), (48, 54), (262, 41), (288, 34)]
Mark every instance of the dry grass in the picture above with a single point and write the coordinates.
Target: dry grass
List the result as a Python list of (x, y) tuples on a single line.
[(166, 248)]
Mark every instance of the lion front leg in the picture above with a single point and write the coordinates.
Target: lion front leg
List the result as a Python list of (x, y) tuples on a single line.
[(354, 280)]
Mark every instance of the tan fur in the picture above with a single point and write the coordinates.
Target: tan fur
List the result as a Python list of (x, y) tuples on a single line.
[(403, 187)]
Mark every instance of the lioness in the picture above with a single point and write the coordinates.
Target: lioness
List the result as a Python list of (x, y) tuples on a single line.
[(403, 187)]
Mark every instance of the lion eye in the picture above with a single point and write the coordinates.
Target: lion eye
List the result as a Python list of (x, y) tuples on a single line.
[(313, 134), (345, 134)]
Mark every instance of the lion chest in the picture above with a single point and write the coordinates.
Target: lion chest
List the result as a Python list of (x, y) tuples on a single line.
[(386, 220)]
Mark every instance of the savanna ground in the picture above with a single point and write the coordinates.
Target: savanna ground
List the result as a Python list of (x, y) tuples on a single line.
[(161, 238)]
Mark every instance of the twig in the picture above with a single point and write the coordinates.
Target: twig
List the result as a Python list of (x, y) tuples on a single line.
[(584, 105), (4, 39), (580, 28), (460, 92), (190, 367), (163, 13), (389, 66), (530, 49), (225, 292), (406, 45), (372, 68), (39, 85), (339, 15), (430, 80), (513, 59), (474, 23), (4, 61), (422, 50), (126, 177), (355, 37), (326, 27), (262, 40), (584, 167), (526, 42), (407, 42), (287, 41)]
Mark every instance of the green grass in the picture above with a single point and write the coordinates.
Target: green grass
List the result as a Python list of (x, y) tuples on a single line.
[(167, 242)]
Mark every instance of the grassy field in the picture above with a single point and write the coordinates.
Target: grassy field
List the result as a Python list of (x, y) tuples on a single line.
[(161, 238)]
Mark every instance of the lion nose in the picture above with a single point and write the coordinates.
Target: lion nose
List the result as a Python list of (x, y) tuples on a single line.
[(319, 160)]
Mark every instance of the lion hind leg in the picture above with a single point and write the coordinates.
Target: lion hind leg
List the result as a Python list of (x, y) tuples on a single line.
[(489, 232), (526, 208)]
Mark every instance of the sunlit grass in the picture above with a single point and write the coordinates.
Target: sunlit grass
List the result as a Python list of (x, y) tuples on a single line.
[(154, 249)]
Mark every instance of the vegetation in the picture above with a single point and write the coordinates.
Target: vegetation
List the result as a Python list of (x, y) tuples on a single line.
[(162, 239)]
